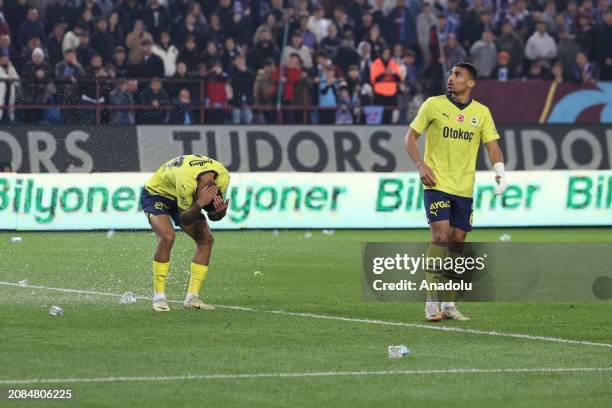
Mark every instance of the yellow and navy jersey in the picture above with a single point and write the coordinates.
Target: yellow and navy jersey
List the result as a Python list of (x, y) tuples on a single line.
[(454, 133), (178, 178)]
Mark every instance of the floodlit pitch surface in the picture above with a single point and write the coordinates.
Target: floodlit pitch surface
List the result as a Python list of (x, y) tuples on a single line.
[(298, 334)]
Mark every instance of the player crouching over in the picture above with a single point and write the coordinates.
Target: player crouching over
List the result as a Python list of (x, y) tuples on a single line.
[(455, 125), (178, 192)]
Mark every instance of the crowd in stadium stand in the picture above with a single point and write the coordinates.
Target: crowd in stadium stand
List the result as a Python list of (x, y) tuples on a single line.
[(238, 59)]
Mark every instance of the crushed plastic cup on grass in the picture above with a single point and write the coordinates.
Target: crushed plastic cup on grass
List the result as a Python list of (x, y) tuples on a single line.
[(110, 233), (56, 311), (258, 273), (24, 283), (505, 237), (128, 297), (328, 232), (398, 351), (308, 234), (275, 232), (16, 239)]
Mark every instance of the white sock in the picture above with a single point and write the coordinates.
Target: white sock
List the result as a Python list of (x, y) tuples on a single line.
[(159, 296), (448, 305)]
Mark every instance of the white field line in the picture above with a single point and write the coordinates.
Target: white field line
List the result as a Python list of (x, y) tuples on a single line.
[(548, 370), (346, 319)]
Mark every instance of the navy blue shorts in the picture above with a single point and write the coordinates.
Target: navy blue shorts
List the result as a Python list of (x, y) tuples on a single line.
[(157, 205), (441, 206)]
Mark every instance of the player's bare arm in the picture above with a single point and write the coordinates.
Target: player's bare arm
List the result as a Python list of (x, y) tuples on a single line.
[(205, 196), (220, 209), (497, 161), (425, 172)]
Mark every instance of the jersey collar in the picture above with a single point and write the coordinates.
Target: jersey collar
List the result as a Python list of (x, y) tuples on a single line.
[(461, 106)]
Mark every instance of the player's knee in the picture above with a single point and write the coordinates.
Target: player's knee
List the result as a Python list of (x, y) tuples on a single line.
[(167, 238), (440, 237), (207, 240)]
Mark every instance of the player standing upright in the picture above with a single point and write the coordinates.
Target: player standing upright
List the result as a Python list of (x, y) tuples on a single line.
[(178, 191), (455, 126)]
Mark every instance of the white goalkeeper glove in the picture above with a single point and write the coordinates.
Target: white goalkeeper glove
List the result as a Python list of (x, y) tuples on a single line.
[(500, 178)]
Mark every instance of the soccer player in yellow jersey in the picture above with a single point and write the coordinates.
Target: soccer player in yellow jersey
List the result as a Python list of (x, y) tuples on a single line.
[(455, 125), (177, 192)]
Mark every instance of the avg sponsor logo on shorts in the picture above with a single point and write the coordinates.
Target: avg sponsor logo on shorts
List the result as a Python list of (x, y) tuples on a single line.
[(433, 208)]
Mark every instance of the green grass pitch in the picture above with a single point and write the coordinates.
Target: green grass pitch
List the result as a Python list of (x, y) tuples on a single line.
[(98, 337)]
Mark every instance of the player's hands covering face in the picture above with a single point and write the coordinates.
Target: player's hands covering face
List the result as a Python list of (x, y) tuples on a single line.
[(206, 195)]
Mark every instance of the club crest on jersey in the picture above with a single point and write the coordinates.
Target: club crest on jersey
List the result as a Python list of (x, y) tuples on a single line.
[(474, 121), (460, 118)]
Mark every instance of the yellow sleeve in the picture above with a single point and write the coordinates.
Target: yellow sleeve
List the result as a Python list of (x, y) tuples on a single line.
[(185, 192), (488, 132), (421, 121)]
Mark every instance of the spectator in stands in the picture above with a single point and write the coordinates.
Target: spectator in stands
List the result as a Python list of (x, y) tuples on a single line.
[(84, 52), (229, 53), (189, 54), (364, 23), (151, 65), (121, 96), (155, 97), (331, 43), (128, 10), (31, 27), (584, 70), (408, 86), (297, 47), (183, 113), (318, 24), (484, 54), (377, 42), (210, 55), (504, 69), (364, 49), (115, 33), (37, 75), (216, 88), (567, 49), (189, 28), (510, 42), (167, 52), (122, 69), (264, 48), (215, 32), (289, 75), (54, 43), (183, 79), (263, 91), (453, 51), (155, 18), (308, 38), (241, 80), (135, 42), (557, 72), (536, 71), (344, 113), (541, 46), (96, 90), (8, 87), (328, 91), (71, 38), (101, 41), (425, 20), (68, 76), (26, 52), (385, 76), (603, 47)]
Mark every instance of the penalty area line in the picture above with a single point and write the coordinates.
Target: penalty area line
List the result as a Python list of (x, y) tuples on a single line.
[(343, 319), (527, 370)]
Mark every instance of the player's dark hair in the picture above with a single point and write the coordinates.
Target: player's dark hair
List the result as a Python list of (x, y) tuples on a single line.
[(469, 67)]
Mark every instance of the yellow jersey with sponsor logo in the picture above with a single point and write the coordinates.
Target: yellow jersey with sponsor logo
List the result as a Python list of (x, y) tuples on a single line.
[(178, 178), (454, 133)]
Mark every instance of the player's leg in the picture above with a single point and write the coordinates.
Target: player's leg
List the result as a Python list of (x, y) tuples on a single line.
[(201, 234), (164, 231), (437, 207), (461, 224)]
